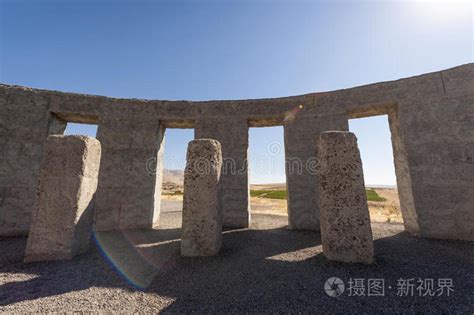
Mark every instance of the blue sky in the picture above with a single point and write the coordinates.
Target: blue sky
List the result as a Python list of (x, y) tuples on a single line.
[(202, 50)]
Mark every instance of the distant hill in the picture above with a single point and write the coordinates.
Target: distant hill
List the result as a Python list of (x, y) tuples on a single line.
[(173, 177)]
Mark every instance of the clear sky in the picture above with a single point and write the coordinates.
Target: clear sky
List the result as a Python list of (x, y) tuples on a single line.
[(227, 49)]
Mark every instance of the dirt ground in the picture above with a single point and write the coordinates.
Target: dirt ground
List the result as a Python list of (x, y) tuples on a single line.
[(386, 211)]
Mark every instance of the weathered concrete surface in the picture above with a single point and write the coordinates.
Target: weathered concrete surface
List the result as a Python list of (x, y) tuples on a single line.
[(62, 219), (202, 216), (345, 224), (301, 176), (431, 119), (233, 137), (129, 191), (25, 122)]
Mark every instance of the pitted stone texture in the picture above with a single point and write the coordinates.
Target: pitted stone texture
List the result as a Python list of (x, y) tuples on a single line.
[(129, 189), (302, 182), (232, 134), (62, 219), (24, 125), (431, 119), (345, 224), (202, 216)]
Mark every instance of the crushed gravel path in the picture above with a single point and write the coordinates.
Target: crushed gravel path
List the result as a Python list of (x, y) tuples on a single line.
[(267, 268)]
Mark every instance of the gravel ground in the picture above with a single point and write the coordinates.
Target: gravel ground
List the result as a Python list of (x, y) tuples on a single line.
[(267, 268)]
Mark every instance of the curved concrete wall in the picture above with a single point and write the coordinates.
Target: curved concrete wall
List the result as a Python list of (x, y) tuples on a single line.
[(431, 118)]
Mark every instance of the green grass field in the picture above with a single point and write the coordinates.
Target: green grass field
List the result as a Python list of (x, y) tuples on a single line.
[(272, 194), (281, 194), (373, 196)]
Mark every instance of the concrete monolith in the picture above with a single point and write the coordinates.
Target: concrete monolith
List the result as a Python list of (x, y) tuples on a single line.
[(202, 216), (61, 222), (345, 224)]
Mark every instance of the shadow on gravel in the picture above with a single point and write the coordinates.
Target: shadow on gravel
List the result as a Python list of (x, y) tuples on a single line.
[(285, 271), (269, 270), (133, 259), (50, 278), (115, 257)]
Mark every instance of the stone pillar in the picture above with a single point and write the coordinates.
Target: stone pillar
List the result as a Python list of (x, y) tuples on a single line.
[(129, 189), (25, 123), (345, 224), (403, 174), (301, 178), (61, 222), (438, 139), (233, 137), (202, 217)]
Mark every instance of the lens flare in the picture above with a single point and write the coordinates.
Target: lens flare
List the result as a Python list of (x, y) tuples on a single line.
[(138, 256), (291, 115)]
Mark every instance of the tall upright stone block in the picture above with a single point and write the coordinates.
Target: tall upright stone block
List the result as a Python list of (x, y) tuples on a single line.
[(403, 174), (345, 224), (24, 125), (301, 177), (61, 223), (202, 216), (129, 189), (439, 143), (234, 189)]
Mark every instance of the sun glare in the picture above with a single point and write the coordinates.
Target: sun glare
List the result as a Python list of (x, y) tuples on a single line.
[(443, 11)]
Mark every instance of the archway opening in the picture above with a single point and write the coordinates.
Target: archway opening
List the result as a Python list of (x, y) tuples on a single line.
[(267, 178), (80, 129), (376, 149), (174, 163)]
